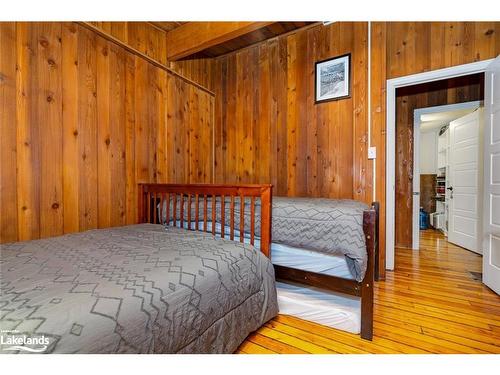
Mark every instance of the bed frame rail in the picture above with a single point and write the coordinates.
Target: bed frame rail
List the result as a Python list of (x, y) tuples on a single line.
[(199, 196)]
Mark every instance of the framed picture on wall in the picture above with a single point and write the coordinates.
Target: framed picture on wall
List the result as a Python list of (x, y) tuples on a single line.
[(333, 79)]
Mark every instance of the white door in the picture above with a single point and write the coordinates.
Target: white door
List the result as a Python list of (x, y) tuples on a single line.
[(416, 182), (465, 181), (491, 237)]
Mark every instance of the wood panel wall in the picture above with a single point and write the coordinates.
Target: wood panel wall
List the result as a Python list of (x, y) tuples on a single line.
[(201, 71), (142, 36), (377, 125), (415, 47), (151, 40), (452, 91), (82, 122), (268, 128)]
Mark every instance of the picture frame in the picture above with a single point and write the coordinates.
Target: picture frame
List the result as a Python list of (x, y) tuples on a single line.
[(332, 79)]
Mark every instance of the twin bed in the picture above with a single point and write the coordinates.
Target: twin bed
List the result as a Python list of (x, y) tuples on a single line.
[(194, 276)]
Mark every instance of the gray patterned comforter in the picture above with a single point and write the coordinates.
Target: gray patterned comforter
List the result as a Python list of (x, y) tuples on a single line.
[(134, 289), (330, 226)]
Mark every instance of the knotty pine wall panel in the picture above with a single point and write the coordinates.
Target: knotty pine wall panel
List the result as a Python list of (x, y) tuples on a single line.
[(268, 128), (377, 125), (415, 47), (201, 71), (8, 136), (83, 121), (49, 107), (151, 40), (141, 36)]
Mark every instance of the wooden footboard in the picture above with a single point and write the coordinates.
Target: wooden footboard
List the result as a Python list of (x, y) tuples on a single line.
[(154, 198)]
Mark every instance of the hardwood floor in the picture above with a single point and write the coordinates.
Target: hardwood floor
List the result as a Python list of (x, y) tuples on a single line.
[(429, 304)]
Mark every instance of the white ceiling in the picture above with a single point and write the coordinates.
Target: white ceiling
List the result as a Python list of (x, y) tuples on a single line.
[(433, 121)]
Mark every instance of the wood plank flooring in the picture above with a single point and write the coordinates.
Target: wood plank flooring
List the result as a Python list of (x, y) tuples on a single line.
[(429, 304)]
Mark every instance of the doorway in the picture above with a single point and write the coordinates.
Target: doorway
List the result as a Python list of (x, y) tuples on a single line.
[(491, 220), (392, 86), (449, 92), (447, 173)]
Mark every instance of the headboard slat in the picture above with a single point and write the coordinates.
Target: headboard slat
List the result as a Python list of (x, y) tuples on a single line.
[(223, 214), (205, 210), (242, 217), (232, 219), (214, 211), (154, 211), (197, 214), (189, 211), (252, 221), (174, 214), (182, 210)]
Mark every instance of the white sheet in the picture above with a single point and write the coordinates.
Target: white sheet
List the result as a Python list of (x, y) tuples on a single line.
[(331, 309), (307, 260)]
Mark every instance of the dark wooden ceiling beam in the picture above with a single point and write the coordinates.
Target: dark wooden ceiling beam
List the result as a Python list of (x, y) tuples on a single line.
[(194, 37)]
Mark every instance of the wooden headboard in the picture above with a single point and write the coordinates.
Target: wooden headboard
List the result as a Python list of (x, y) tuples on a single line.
[(152, 196)]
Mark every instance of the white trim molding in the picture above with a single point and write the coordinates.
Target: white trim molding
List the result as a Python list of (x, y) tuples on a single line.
[(392, 85)]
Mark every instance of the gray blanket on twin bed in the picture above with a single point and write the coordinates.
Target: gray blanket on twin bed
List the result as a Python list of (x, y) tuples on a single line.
[(135, 289), (331, 226)]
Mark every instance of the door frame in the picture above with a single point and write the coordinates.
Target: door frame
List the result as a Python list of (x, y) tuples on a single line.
[(391, 86), (416, 157)]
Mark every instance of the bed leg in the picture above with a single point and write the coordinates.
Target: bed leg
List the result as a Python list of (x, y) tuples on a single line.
[(369, 228), (376, 207), (367, 311)]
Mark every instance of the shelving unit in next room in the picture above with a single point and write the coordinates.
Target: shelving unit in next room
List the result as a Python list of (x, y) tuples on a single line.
[(440, 218)]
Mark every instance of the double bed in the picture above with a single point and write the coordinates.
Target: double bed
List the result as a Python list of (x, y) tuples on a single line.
[(141, 288)]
